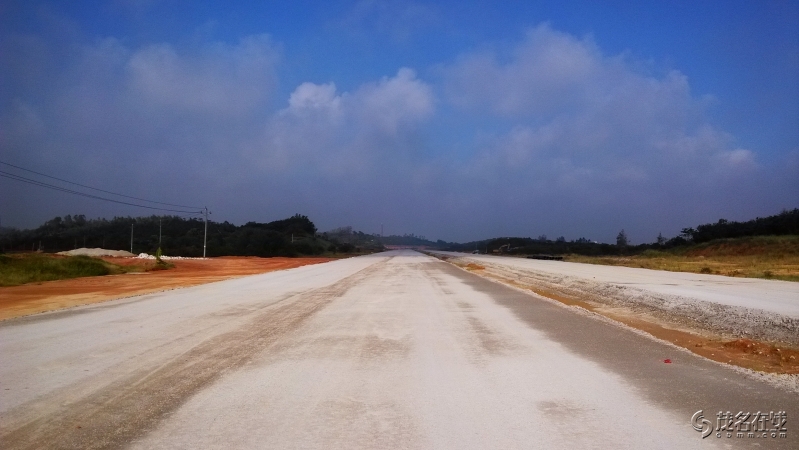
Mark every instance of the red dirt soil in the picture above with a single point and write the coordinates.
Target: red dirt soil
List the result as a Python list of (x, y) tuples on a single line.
[(16, 301)]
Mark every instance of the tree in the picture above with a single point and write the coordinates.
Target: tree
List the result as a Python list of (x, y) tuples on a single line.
[(560, 239), (621, 239), (661, 240), (688, 234)]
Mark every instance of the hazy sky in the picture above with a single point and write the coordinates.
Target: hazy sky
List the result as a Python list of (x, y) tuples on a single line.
[(454, 120)]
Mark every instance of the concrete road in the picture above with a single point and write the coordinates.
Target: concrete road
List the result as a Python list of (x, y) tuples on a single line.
[(781, 297), (394, 350)]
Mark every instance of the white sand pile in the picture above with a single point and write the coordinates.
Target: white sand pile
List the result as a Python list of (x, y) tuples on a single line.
[(164, 257), (96, 252)]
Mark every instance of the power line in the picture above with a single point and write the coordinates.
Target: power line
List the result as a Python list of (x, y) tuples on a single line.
[(83, 194), (98, 189)]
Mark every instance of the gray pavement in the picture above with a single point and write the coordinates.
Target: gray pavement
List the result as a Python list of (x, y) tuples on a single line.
[(781, 297), (393, 350)]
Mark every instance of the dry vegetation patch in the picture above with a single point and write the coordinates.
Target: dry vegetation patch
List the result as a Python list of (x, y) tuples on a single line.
[(770, 257)]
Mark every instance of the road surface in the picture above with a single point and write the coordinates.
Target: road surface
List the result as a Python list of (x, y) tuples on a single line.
[(392, 350), (781, 297)]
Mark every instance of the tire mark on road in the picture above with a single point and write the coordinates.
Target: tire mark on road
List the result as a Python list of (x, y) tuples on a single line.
[(125, 410), (485, 340), (488, 339)]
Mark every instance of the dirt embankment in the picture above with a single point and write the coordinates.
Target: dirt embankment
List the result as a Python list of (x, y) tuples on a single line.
[(16, 301)]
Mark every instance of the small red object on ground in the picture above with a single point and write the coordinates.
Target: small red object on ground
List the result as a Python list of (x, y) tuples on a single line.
[(667, 361)]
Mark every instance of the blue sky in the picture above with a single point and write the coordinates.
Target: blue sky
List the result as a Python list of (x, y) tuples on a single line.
[(454, 120)]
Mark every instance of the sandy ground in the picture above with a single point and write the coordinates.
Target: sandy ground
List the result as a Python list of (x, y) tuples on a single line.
[(16, 301), (703, 313), (392, 350)]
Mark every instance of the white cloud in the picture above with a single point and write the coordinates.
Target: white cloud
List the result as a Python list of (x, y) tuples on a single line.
[(568, 101), (348, 133), (738, 158), (548, 71), (221, 78), (394, 102), (313, 98)]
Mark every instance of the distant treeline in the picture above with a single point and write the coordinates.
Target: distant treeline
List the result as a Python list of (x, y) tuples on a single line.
[(293, 236), (348, 240), (784, 223), (532, 246), (297, 235), (411, 240)]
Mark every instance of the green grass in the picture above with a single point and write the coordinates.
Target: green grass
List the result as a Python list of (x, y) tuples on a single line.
[(35, 267)]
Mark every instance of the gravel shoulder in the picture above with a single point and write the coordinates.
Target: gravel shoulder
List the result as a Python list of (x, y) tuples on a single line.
[(779, 297), (695, 311)]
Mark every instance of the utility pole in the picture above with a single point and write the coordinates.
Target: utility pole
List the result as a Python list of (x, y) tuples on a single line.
[(131, 238), (159, 232), (205, 236)]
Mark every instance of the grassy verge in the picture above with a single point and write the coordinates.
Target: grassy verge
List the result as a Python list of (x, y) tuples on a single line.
[(770, 257), (35, 267)]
